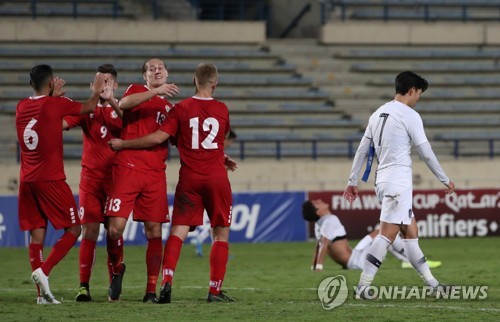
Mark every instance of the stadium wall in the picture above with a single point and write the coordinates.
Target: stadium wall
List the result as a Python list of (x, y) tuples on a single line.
[(416, 33), (88, 30), (293, 175)]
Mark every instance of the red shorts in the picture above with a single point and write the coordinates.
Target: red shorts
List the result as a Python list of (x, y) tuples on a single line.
[(144, 194), (48, 200), (93, 195), (192, 197)]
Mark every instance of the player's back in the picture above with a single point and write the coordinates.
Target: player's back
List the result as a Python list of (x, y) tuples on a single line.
[(39, 131), (394, 127), (202, 125)]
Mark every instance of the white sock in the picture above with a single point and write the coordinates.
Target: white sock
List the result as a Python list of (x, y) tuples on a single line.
[(374, 258), (365, 242), (418, 261), (397, 249)]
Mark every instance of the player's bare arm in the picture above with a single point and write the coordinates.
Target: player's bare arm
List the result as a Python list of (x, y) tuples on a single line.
[(230, 163), (110, 97), (57, 87), (144, 142), (319, 258), (133, 100), (98, 86)]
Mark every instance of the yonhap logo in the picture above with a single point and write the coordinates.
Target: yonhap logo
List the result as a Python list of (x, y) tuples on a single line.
[(332, 291)]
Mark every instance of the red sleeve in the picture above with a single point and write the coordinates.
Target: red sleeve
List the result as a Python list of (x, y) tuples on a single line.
[(74, 121), (134, 89), (228, 125), (67, 106), (171, 123)]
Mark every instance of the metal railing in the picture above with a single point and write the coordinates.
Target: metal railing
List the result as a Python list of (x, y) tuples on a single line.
[(452, 10), (50, 8)]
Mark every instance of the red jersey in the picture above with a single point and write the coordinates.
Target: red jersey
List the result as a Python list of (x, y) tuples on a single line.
[(39, 131), (98, 128), (144, 119), (199, 126)]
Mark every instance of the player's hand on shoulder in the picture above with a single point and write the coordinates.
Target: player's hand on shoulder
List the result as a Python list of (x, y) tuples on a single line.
[(351, 193), (116, 144), (167, 89), (230, 163), (57, 90), (450, 186)]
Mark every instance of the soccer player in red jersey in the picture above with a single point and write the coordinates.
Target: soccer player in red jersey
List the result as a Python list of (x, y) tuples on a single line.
[(139, 181), (95, 179), (43, 191), (199, 125)]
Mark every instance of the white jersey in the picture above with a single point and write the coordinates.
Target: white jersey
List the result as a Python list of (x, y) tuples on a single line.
[(393, 129), (330, 227)]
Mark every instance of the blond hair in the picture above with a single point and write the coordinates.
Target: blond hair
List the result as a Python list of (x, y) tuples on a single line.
[(205, 74)]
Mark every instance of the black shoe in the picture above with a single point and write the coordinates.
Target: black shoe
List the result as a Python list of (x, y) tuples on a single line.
[(115, 288), (150, 297), (83, 295), (165, 294), (221, 297)]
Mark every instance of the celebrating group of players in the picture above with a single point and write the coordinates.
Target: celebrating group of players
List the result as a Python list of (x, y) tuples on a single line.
[(131, 181)]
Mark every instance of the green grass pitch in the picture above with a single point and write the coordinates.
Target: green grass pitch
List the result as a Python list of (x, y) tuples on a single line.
[(268, 281)]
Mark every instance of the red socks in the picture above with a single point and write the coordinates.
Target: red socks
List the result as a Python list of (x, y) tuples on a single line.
[(153, 262), (36, 258), (115, 252), (60, 249), (171, 255), (218, 261), (87, 259)]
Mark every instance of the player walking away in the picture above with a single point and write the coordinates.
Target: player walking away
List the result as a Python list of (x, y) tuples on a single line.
[(199, 125), (391, 132), (44, 194), (139, 182), (332, 240), (95, 179), (205, 230)]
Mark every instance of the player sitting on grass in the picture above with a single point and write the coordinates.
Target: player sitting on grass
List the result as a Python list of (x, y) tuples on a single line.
[(332, 239)]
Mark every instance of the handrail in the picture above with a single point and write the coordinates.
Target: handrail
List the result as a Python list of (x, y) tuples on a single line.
[(426, 6), (35, 13)]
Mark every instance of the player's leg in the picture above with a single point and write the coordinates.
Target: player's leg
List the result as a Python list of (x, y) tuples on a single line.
[(92, 202), (415, 254), (153, 259), (397, 249), (32, 220), (394, 207), (127, 184), (171, 254), (218, 263), (151, 207), (57, 203), (218, 200), (37, 237), (90, 233)]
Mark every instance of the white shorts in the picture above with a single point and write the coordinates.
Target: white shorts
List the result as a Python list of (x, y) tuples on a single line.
[(396, 203)]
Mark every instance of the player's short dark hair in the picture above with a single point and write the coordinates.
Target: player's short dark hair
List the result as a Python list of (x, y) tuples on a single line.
[(309, 212), (231, 135), (39, 76), (108, 69), (205, 74), (407, 80), (145, 64)]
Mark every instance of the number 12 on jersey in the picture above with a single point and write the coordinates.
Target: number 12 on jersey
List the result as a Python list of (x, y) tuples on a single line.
[(209, 124)]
